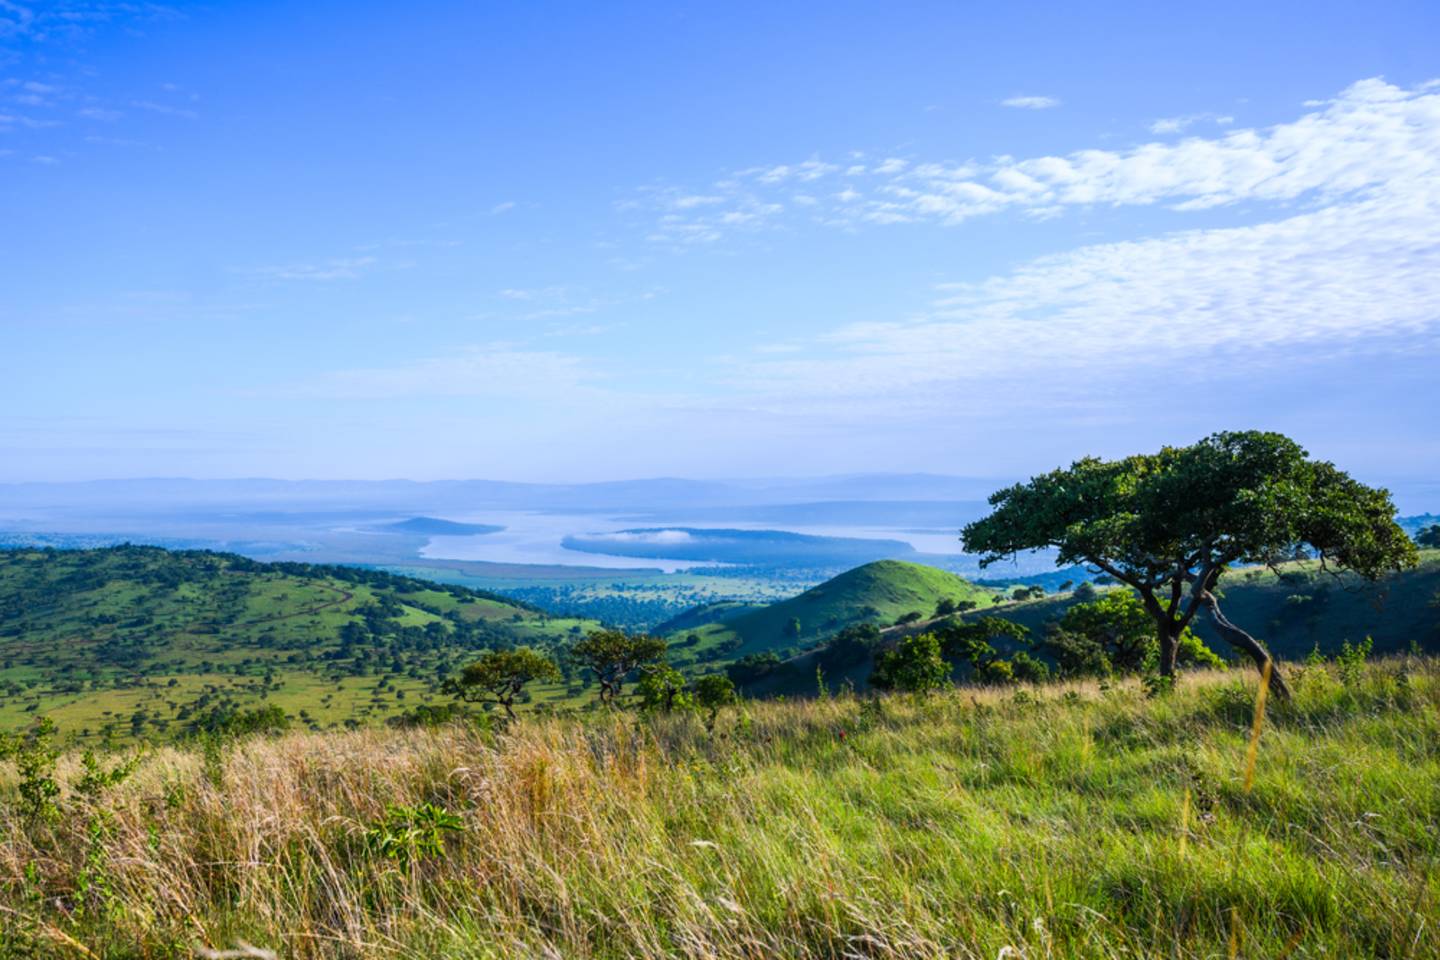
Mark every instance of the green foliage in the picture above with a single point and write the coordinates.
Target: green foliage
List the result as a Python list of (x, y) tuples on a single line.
[(408, 835), (228, 721), (1115, 634), (752, 667), (613, 655), (713, 692), (34, 755), (1350, 661), (1429, 537), (1172, 522), (662, 689), (914, 665), (432, 716), (500, 677)]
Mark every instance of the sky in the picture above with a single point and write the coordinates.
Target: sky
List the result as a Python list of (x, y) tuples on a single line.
[(568, 242)]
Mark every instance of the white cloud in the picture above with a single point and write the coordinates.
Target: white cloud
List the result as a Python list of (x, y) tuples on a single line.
[(1373, 133), (1356, 265), (1030, 102)]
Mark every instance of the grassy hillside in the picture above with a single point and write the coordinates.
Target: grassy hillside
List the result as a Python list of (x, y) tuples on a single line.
[(139, 640), (878, 592), (1058, 822), (1299, 607), (705, 614)]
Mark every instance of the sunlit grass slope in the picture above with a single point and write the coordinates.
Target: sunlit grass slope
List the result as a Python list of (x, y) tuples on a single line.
[(878, 592), (1054, 822)]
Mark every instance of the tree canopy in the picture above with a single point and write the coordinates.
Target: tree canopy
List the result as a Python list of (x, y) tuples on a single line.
[(614, 655), (1169, 524), (500, 676)]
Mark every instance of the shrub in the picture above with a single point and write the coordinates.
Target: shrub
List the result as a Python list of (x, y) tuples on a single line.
[(914, 665)]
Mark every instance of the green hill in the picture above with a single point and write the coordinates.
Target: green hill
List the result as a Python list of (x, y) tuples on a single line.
[(141, 640), (879, 592), (706, 613), (1293, 610)]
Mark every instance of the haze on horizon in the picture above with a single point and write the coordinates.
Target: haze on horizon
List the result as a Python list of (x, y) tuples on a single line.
[(564, 243)]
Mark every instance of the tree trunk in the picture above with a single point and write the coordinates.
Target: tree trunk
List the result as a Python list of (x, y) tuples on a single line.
[(1169, 648), (1242, 641)]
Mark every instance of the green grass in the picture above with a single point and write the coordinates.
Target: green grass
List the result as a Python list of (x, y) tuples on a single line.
[(1054, 822)]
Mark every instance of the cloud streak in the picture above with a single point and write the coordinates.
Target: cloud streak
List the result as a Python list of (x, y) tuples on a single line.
[(1373, 134)]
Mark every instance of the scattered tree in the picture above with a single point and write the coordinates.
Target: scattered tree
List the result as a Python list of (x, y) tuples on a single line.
[(752, 667), (1429, 537), (500, 677), (662, 689), (614, 655), (1170, 524), (713, 692)]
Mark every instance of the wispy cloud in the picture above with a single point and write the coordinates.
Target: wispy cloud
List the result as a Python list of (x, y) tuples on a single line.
[(1030, 102), (1170, 125), (1373, 133), (1357, 266)]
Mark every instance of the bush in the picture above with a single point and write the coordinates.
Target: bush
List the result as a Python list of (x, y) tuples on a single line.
[(914, 665)]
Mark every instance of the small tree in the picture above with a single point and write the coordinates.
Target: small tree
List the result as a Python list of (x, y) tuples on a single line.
[(713, 692), (1429, 537), (792, 628), (946, 606), (500, 677), (1170, 524), (662, 689), (614, 655), (914, 665)]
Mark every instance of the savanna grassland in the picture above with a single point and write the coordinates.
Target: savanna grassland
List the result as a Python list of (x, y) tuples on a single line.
[(141, 643), (1079, 820)]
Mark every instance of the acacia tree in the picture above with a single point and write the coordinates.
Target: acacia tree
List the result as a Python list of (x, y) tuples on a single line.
[(500, 676), (1169, 524), (614, 655)]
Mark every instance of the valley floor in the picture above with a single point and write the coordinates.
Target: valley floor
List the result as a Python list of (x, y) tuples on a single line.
[(1062, 821)]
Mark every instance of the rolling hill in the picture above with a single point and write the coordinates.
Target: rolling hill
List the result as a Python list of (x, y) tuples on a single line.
[(878, 592), (141, 640)]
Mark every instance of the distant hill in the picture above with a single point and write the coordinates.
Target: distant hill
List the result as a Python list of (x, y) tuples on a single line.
[(433, 527), (142, 640), (879, 592)]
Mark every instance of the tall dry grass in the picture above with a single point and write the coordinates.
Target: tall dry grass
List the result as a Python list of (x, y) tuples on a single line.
[(1057, 822)]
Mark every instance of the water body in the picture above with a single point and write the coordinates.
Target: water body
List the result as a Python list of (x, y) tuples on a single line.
[(536, 538)]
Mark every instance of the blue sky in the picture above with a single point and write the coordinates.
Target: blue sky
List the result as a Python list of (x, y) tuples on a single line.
[(594, 241)]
